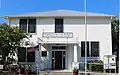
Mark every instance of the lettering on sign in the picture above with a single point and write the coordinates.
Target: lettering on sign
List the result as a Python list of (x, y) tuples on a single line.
[(109, 62)]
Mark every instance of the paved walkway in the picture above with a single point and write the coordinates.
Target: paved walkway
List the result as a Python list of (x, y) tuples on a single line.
[(71, 74), (62, 73)]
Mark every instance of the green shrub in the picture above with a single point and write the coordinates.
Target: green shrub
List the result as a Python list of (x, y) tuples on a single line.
[(95, 67)]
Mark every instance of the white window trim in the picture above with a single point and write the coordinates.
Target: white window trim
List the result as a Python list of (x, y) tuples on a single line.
[(27, 28), (90, 54)]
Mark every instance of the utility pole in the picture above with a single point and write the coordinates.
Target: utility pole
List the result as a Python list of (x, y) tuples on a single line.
[(85, 37)]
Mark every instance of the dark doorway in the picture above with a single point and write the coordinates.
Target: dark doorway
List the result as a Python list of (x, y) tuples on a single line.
[(58, 59)]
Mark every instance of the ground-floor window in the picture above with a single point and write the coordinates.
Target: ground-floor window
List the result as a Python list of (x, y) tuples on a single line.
[(21, 54), (92, 48), (22, 57)]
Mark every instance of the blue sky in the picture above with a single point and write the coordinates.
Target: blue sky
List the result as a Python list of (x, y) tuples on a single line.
[(9, 7)]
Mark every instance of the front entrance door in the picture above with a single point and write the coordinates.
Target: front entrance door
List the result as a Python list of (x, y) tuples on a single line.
[(58, 59)]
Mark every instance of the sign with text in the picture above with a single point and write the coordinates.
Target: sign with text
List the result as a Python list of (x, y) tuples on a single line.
[(109, 62)]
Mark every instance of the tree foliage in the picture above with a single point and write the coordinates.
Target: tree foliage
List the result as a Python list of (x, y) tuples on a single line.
[(115, 30), (115, 36), (10, 40)]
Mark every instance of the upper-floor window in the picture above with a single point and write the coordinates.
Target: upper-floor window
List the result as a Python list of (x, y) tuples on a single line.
[(28, 25), (58, 25), (92, 49), (23, 24)]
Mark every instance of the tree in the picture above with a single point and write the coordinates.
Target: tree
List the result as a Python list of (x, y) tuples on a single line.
[(10, 39), (115, 36), (115, 40)]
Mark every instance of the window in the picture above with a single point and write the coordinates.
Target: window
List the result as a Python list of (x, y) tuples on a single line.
[(58, 25), (21, 54), (28, 25), (23, 24), (94, 49), (30, 54), (31, 25), (83, 49), (58, 47), (44, 53)]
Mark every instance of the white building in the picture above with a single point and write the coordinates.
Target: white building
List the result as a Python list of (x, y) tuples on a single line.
[(62, 34)]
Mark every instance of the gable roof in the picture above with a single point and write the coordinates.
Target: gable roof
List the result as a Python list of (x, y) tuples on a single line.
[(61, 13)]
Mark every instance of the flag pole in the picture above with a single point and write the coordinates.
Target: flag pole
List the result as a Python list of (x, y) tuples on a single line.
[(119, 50), (85, 37)]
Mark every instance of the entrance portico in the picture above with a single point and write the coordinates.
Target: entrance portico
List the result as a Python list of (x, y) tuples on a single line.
[(61, 50), (62, 53)]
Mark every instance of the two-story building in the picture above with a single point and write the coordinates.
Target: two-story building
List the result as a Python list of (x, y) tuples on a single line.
[(60, 35)]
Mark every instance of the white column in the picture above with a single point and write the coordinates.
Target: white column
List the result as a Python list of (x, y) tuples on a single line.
[(75, 53), (75, 62)]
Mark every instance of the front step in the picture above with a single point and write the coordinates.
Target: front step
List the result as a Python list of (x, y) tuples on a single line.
[(55, 73)]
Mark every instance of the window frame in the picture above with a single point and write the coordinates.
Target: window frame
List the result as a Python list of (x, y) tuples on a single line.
[(20, 25), (88, 45), (98, 48), (90, 49), (28, 25), (44, 53), (62, 25)]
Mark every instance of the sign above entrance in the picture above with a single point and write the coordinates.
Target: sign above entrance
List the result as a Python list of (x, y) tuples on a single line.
[(57, 35)]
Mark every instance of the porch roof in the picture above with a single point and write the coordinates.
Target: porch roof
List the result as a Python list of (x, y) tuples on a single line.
[(73, 40)]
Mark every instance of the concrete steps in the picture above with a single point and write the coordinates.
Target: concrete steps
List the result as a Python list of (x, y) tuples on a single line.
[(55, 73)]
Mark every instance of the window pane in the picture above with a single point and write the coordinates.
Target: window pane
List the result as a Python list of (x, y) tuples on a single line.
[(95, 49), (31, 54), (87, 49), (58, 47), (83, 49), (58, 25), (31, 29), (21, 54), (31, 25), (44, 53), (23, 24)]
